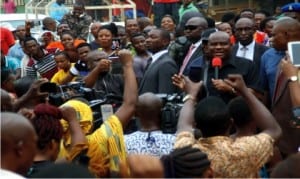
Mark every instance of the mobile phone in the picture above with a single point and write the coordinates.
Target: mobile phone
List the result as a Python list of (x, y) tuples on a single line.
[(106, 111), (48, 87), (294, 51), (116, 43), (196, 73)]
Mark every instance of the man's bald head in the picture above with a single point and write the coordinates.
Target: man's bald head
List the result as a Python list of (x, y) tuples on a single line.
[(291, 25), (219, 45), (285, 30), (149, 106), (200, 21), (95, 28), (194, 28), (18, 142), (94, 57)]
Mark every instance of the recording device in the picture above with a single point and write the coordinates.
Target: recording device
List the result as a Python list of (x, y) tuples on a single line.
[(170, 112), (216, 63), (196, 73), (294, 51), (116, 43), (64, 93), (48, 87)]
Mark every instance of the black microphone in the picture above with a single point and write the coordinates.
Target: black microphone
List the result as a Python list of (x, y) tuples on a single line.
[(216, 63)]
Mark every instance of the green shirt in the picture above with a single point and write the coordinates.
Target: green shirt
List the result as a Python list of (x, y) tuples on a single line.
[(182, 10)]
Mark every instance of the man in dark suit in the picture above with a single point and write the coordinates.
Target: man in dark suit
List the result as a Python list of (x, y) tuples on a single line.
[(161, 67), (193, 30), (286, 100), (246, 46)]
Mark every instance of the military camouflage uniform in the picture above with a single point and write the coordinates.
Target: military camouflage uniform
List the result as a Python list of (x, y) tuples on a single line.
[(79, 26)]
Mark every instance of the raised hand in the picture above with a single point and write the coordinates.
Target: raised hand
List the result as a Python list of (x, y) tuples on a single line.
[(287, 68), (221, 85), (68, 113), (34, 90), (185, 84), (237, 83), (125, 57)]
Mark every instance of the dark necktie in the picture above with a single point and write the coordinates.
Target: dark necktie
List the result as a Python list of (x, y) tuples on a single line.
[(149, 61)]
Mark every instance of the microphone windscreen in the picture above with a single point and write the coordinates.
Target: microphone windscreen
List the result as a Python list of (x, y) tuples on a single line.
[(216, 62)]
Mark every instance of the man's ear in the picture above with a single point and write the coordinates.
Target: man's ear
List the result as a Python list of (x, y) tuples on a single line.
[(19, 148), (165, 42)]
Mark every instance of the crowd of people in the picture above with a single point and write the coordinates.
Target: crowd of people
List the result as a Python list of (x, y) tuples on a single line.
[(240, 114)]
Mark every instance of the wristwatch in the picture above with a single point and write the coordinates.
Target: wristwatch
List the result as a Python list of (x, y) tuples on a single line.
[(187, 97), (293, 79)]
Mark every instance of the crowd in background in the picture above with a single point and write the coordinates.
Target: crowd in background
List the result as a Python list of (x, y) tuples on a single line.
[(241, 107)]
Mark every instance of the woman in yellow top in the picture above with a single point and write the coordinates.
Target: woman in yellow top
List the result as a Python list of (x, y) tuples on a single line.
[(105, 147), (63, 62)]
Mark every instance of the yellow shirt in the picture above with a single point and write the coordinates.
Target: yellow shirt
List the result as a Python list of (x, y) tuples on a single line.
[(106, 148), (109, 139), (239, 158), (60, 75)]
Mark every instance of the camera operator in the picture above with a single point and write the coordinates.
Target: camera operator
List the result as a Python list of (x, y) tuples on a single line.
[(149, 112), (106, 146), (100, 78)]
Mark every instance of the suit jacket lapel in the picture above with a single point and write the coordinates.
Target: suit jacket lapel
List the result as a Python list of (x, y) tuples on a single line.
[(198, 52), (235, 49), (281, 89), (257, 53), (149, 68)]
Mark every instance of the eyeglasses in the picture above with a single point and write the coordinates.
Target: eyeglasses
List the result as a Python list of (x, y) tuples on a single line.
[(190, 27)]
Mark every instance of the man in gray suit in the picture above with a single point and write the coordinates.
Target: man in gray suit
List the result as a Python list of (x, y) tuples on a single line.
[(161, 67)]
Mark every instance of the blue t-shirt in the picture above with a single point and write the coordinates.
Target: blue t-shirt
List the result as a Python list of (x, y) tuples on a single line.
[(268, 69), (11, 64), (57, 11)]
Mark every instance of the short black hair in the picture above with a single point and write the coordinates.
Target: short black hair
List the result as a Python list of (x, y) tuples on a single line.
[(164, 34), (210, 22), (137, 34), (69, 32), (5, 75), (171, 17), (212, 116), (84, 44), (22, 85), (111, 27), (29, 38), (265, 21), (239, 111), (79, 4), (62, 53), (228, 17), (264, 12)]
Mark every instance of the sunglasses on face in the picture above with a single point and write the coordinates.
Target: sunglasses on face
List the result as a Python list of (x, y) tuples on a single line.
[(190, 27)]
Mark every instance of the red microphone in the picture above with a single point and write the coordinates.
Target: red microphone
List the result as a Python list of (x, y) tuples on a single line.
[(216, 63)]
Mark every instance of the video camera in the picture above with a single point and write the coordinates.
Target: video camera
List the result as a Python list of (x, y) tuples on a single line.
[(62, 93), (172, 105)]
